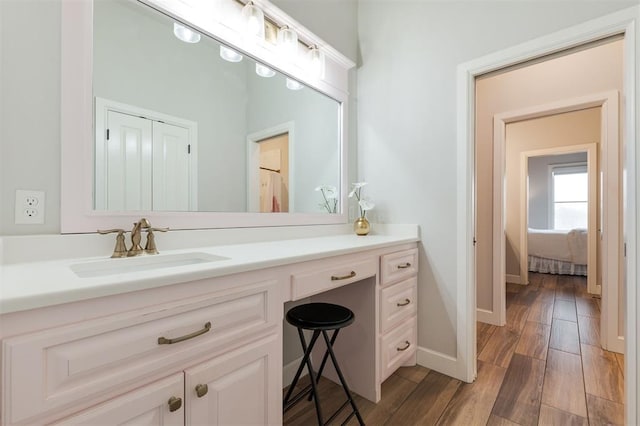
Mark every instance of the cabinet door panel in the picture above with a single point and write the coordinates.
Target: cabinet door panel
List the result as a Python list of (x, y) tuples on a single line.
[(148, 405), (244, 387)]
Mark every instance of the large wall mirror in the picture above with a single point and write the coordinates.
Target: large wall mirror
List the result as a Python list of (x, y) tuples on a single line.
[(187, 137)]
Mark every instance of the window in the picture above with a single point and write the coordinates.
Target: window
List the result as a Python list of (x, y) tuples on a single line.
[(569, 192)]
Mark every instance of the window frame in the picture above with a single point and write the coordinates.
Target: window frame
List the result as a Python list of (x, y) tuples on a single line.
[(568, 168)]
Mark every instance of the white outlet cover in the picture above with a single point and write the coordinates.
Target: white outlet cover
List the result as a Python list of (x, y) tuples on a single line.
[(29, 207)]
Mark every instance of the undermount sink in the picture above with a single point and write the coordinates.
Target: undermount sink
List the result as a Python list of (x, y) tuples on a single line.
[(143, 263)]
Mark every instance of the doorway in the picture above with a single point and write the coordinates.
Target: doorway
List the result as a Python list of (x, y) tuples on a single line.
[(274, 173), (270, 169), (620, 23), (559, 213)]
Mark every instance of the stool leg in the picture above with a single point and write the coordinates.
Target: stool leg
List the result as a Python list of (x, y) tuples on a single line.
[(324, 359), (341, 377), (300, 368), (314, 390), (306, 360)]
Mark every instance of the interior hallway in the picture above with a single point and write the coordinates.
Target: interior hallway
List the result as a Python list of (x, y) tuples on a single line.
[(544, 367)]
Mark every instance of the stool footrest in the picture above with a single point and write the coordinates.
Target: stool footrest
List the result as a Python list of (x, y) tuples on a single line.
[(297, 397), (334, 415)]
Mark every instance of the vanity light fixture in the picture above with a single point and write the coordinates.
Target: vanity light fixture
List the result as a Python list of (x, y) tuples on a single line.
[(254, 21), (293, 84), (229, 54), (288, 42), (185, 34), (316, 61), (264, 71)]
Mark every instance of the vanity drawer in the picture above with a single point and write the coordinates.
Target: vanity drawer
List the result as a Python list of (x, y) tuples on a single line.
[(398, 346), (397, 303), (82, 363), (331, 275), (397, 266)]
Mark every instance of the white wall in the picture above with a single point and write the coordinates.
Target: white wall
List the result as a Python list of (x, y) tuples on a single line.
[(407, 122), (30, 109), (539, 195)]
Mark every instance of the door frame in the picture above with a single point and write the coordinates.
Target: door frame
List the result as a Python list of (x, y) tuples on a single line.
[(609, 138), (592, 207), (622, 22), (253, 163)]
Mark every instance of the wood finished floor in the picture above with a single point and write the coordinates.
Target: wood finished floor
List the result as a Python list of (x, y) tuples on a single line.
[(545, 367)]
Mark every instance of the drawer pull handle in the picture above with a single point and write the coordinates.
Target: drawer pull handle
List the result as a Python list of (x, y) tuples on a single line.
[(201, 390), (174, 403), (165, 341), (404, 266), (406, 342), (405, 303), (344, 277)]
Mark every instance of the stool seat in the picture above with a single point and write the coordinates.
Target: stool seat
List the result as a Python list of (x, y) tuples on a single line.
[(320, 316)]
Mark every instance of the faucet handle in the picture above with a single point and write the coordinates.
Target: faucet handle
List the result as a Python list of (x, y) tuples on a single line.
[(150, 247), (120, 249), (110, 231)]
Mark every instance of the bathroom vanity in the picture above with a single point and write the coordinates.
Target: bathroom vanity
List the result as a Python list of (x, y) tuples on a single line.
[(195, 336)]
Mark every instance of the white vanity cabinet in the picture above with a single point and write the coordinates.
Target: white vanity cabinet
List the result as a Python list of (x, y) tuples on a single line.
[(116, 366), (200, 346), (398, 310)]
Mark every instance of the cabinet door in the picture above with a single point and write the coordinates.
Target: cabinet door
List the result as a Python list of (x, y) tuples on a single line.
[(154, 404), (241, 387)]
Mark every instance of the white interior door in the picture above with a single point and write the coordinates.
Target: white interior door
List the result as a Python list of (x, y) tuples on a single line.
[(123, 164), (172, 168)]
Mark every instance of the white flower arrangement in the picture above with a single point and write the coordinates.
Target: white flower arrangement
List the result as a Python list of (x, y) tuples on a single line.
[(364, 205), (330, 196)]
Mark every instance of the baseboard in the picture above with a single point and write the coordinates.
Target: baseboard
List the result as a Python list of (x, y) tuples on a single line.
[(289, 371), (488, 317), (513, 279), (437, 361)]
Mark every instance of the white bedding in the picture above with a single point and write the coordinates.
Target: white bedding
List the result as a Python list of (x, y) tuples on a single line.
[(567, 246)]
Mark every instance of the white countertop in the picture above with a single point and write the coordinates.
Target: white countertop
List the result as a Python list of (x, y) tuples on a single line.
[(30, 285)]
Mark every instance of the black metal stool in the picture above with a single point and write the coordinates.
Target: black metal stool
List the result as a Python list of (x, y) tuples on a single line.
[(319, 317)]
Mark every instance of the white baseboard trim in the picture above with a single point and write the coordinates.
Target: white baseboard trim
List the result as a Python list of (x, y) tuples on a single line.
[(513, 279), (437, 361), (489, 317), (289, 371)]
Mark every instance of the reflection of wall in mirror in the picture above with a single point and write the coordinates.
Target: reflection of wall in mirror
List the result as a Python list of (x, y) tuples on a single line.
[(137, 60), (316, 154)]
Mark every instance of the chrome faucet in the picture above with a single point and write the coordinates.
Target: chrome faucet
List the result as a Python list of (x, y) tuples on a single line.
[(136, 237)]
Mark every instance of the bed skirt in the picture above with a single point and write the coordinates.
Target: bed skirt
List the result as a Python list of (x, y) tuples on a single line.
[(554, 266)]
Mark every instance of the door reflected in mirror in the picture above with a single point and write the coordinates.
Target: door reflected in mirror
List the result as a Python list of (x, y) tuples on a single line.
[(179, 128)]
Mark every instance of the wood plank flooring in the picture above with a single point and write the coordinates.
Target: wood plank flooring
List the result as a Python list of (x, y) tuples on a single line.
[(545, 367)]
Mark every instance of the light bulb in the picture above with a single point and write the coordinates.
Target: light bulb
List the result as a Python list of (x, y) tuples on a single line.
[(254, 21), (185, 34), (293, 85), (264, 71), (229, 54), (316, 62), (288, 42)]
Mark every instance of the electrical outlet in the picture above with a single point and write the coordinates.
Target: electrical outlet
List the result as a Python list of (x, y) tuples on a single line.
[(29, 207)]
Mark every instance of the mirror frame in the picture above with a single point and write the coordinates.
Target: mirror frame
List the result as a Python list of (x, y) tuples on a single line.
[(77, 157)]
